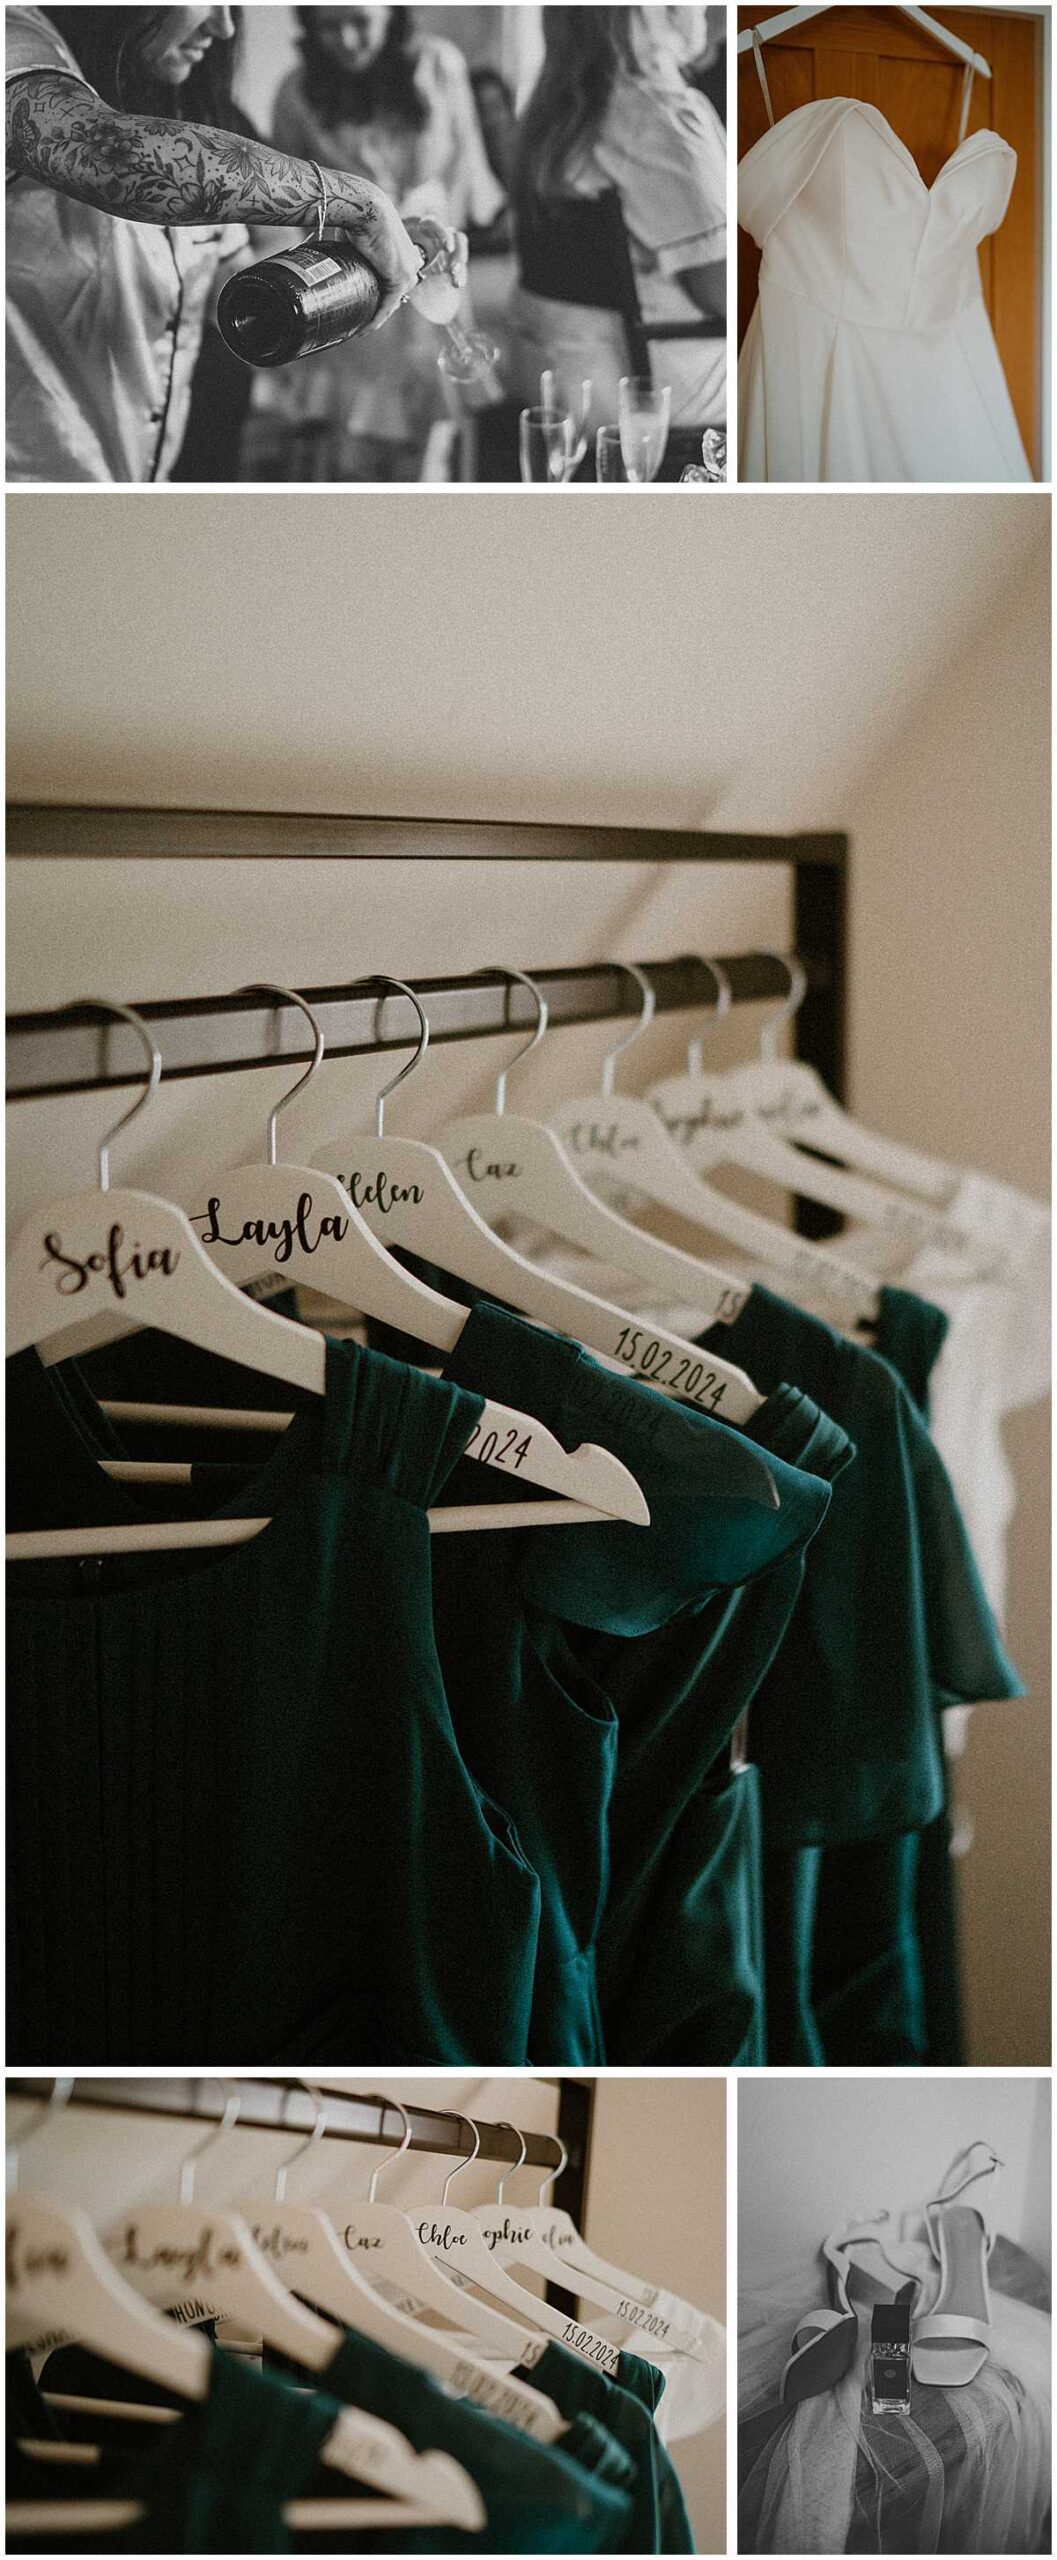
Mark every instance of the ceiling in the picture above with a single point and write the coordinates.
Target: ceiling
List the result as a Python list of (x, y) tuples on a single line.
[(732, 659)]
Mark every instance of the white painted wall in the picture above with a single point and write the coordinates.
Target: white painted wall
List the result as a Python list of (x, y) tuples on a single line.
[(813, 2151)]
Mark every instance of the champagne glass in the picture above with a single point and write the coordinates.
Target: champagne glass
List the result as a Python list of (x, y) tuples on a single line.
[(565, 392), (467, 355), (645, 417), (547, 441), (610, 467)]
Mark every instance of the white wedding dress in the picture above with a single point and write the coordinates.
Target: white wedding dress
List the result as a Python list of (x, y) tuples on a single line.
[(870, 354)]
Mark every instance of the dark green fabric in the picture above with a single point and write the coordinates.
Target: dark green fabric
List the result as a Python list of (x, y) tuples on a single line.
[(538, 2497), (239, 1817), (217, 2480), (704, 2001), (676, 1985), (626, 2406), (892, 1623), (910, 1334), (860, 1934)]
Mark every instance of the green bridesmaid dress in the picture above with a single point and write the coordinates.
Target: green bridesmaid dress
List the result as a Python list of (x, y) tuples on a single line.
[(239, 1818), (892, 1626)]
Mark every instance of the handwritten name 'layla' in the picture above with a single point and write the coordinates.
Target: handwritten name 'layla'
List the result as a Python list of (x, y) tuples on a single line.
[(282, 1233), (117, 1264)]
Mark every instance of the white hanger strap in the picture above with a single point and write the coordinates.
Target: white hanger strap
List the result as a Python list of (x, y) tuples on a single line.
[(967, 91), (757, 51)]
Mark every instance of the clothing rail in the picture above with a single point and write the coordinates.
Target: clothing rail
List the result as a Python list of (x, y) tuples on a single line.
[(73, 1051), (67, 1053), (289, 2107)]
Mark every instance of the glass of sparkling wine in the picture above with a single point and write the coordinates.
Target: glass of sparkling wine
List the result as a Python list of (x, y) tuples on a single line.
[(645, 410), (566, 391), (547, 445), (466, 355), (610, 467)]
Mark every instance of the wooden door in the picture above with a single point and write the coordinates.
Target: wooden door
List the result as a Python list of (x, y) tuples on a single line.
[(882, 57)]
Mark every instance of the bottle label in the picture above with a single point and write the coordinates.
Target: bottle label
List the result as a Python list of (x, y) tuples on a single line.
[(317, 270)]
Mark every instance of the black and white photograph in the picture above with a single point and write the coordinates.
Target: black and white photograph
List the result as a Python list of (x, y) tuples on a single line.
[(894, 2265), (369, 244)]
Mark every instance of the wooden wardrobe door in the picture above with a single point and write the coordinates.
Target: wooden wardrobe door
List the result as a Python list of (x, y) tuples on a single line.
[(881, 56)]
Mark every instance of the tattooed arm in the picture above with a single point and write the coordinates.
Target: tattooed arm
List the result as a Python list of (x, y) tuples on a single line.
[(153, 169)]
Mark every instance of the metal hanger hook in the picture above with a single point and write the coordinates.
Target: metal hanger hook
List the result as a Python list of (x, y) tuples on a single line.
[(264, 987), (124, 1013), (58, 2098), (790, 1004), (319, 2127), (630, 969), (518, 2164), (724, 1000), (467, 2161), (389, 2156), (554, 2174), (423, 1043), (189, 2164), (517, 977)]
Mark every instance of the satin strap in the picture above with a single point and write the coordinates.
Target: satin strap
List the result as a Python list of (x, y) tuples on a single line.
[(950, 2324)]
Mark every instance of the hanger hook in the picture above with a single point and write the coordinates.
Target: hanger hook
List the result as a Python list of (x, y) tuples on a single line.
[(423, 1044), (124, 1013), (389, 2156), (724, 1000), (790, 1004), (189, 2165), (554, 2174), (318, 2129), (58, 2098), (518, 2164), (265, 987), (517, 977), (629, 969), (468, 2158)]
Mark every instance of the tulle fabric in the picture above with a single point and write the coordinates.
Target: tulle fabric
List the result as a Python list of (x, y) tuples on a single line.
[(967, 2471)]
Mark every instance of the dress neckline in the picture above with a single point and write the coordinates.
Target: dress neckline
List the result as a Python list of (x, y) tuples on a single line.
[(887, 131)]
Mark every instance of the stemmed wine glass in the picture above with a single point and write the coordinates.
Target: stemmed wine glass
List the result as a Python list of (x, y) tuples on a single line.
[(610, 466), (547, 443), (645, 410), (570, 393), (467, 355)]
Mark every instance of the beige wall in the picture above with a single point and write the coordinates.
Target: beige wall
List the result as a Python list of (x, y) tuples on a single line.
[(950, 1049), (658, 2189)]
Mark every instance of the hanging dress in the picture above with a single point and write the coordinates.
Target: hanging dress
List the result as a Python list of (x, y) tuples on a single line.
[(239, 1818), (892, 1627), (870, 354), (573, 2495), (216, 2480)]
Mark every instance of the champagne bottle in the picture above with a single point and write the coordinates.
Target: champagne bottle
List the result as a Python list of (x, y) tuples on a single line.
[(293, 304)]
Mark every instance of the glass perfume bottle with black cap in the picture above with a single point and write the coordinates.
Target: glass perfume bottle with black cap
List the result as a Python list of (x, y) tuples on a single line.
[(890, 2358)]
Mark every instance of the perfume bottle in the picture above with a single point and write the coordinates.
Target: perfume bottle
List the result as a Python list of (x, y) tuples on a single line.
[(890, 2358)]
